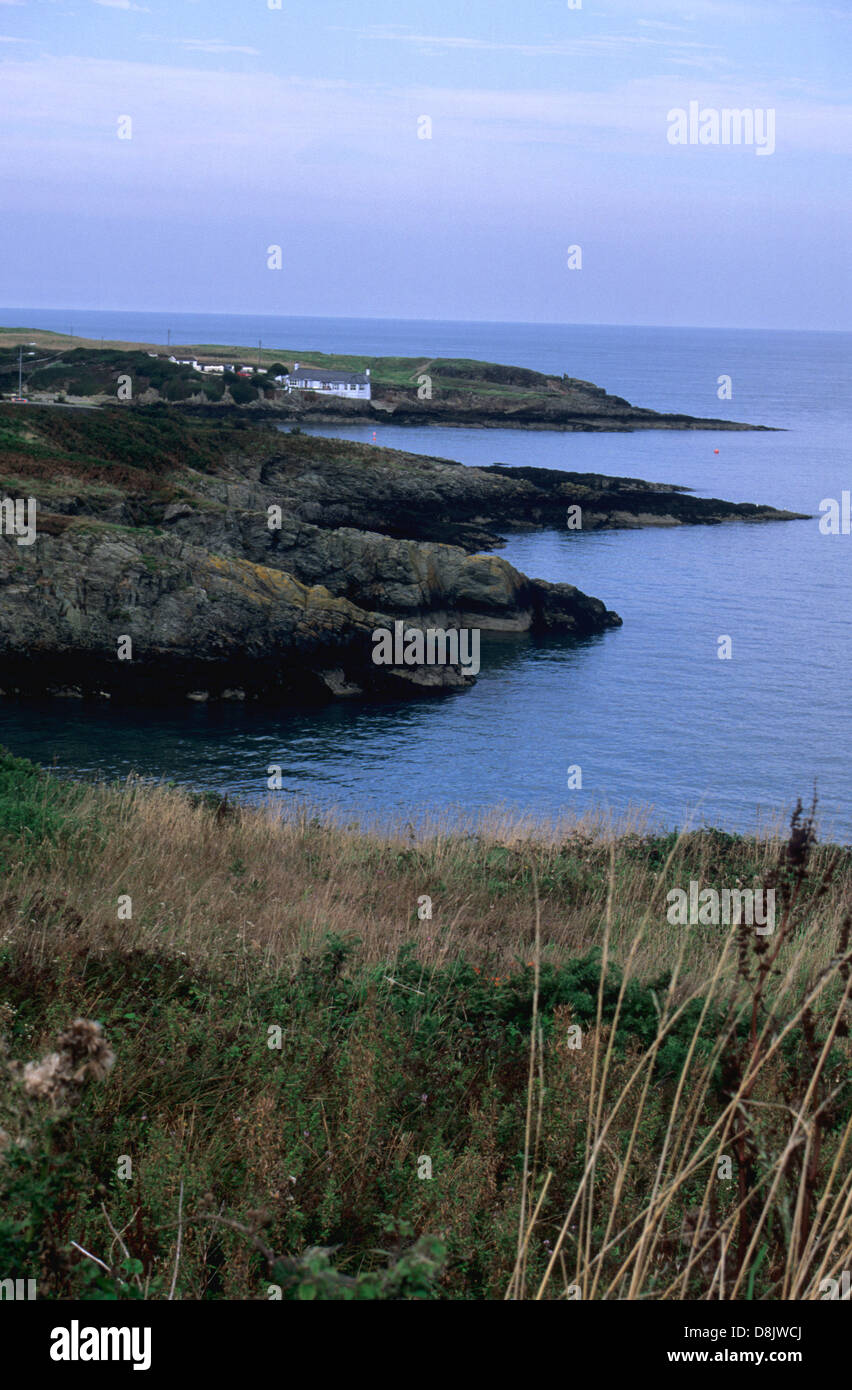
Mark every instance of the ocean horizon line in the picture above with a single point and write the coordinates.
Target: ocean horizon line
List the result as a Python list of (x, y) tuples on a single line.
[(356, 318)]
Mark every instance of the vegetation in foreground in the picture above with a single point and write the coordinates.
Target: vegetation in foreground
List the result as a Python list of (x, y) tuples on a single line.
[(237, 1047)]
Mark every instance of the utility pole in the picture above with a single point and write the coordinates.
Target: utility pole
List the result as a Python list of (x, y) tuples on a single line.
[(20, 370), (169, 338), (259, 346)]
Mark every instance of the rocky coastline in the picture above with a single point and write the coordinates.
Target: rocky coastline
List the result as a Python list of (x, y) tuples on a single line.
[(238, 563)]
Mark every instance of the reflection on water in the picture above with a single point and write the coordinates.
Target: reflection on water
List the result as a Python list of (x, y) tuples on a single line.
[(229, 746)]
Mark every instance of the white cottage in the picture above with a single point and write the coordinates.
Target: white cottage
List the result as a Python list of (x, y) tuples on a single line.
[(353, 385)]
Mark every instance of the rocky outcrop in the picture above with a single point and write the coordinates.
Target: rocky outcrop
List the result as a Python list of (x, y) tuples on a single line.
[(177, 558), (199, 624), (331, 483), (592, 411), (335, 483), (95, 609), (608, 503)]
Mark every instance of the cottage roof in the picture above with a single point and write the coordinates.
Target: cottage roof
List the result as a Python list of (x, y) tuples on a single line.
[(305, 372)]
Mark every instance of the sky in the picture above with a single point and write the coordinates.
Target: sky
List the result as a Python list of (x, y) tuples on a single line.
[(256, 124)]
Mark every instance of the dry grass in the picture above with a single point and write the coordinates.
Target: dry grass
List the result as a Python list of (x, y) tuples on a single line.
[(210, 883), (560, 1171), (724, 1246)]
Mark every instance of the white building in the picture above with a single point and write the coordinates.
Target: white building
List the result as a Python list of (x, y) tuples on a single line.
[(353, 385)]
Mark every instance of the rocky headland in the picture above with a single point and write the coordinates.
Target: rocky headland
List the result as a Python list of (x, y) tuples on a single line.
[(248, 562)]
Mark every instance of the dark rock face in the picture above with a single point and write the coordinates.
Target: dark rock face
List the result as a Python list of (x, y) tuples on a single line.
[(589, 415), (247, 563), (419, 498), (212, 624), (201, 625), (609, 503)]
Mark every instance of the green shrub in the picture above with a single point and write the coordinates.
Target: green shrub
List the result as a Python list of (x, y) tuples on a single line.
[(241, 391)]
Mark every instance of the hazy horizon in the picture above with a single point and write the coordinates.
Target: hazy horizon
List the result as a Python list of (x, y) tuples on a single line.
[(395, 318)]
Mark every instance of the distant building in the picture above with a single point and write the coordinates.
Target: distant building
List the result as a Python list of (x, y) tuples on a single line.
[(212, 367), (354, 385)]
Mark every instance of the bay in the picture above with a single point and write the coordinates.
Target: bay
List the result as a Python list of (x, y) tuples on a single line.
[(649, 712)]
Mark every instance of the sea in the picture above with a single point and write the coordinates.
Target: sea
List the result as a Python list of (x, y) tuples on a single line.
[(660, 721)]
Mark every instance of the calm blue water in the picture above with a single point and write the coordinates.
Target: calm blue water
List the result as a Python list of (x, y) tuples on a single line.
[(649, 712)]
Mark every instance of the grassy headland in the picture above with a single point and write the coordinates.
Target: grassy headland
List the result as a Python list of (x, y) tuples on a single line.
[(405, 390), (610, 1105)]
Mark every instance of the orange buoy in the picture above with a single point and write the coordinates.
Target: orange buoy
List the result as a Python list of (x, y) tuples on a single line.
[(715, 451)]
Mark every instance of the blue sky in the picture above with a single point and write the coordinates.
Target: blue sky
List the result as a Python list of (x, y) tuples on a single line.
[(298, 127)]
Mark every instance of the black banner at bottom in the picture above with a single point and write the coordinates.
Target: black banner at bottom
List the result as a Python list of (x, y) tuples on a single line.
[(158, 1339)]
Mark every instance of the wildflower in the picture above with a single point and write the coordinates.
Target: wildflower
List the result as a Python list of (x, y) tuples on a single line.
[(45, 1079), (83, 1054)]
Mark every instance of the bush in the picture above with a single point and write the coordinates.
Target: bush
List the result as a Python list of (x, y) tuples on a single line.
[(179, 390), (242, 391), (33, 805)]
